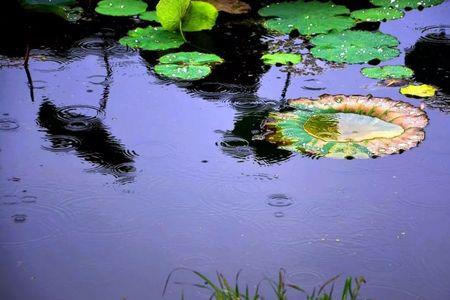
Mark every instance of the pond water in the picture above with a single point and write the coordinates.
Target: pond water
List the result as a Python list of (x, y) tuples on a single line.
[(111, 177)]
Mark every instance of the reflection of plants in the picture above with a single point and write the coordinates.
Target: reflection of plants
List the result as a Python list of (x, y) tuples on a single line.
[(187, 65), (347, 127), (222, 289)]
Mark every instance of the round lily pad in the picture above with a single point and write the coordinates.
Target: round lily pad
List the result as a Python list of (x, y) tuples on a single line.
[(421, 91), (281, 58), (186, 65), (149, 16), (183, 72), (346, 126), (377, 14), (121, 7), (397, 72), (406, 3), (309, 18), (152, 38), (310, 25), (190, 58), (355, 46)]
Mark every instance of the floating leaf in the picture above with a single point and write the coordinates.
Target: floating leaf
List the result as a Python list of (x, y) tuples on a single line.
[(149, 16), (61, 8), (347, 126), (355, 46), (235, 7), (182, 72), (308, 18), (385, 72), (281, 58), (186, 65), (200, 16), (407, 3), (310, 25), (171, 12), (422, 90), (377, 14), (152, 38), (190, 58), (121, 7)]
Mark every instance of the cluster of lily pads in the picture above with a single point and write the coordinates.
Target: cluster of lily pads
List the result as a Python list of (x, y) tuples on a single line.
[(174, 18)]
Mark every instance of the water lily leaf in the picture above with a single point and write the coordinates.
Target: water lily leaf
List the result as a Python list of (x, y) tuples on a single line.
[(308, 18), (422, 90), (186, 65), (61, 8), (121, 7), (355, 46), (281, 58), (302, 8), (171, 12), (346, 126), (190, 58), (149, 16), (310, 25), (200, 16), (377, 14), (406, 3), (188, 72), (385, 72), (235, 7), (152, 38)]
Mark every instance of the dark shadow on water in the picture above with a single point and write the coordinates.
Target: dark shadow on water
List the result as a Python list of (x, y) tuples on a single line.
[(89, 138), (429, 58)]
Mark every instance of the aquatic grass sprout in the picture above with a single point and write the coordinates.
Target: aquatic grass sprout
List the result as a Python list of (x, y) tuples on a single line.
[(387, 72), (186, 15), (187, 65), (346, 126), (121, 7), (355, 46), (309, 18)]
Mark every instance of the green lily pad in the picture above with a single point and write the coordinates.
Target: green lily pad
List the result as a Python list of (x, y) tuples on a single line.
[(182, 72), (190, 58), (62, 8), (346, 126), (303, 8), (386, 72), (308, 18), (406, 3), (152, 38), (186, 65), (377, 14), (281, 58), (310, 25), (149, 16), (200, 16), (355, 46), (121, 7)]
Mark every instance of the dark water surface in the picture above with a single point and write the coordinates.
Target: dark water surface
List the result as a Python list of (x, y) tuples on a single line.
[(112, 177)]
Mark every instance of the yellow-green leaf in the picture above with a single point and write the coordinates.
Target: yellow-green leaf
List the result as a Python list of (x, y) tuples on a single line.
[(422, 90)]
